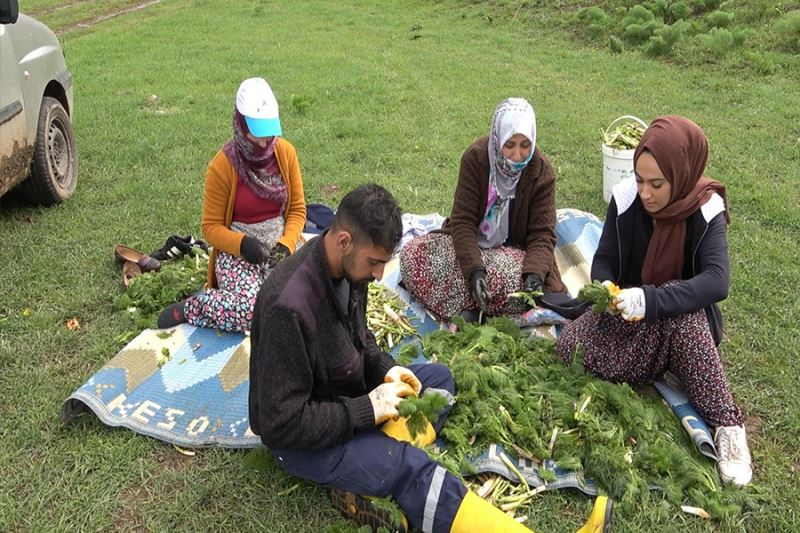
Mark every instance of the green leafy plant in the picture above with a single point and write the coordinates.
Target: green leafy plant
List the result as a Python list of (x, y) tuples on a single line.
[(596, 21), (624, 136), (658, 8), (599, 295), (301, 103), (665, 38), (420, 410), (151, 292), (719, 41), (615, 44), (516, 392), (720, 19), (529, 297), (679, 11), (639, 24)]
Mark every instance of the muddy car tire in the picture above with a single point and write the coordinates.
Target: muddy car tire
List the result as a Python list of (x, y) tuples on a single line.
[(54, 169)]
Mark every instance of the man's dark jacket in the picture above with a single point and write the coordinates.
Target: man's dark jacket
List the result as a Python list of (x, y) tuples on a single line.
[(312, 360)]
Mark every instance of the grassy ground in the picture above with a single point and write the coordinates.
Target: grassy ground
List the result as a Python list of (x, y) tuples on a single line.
[(390, 93)]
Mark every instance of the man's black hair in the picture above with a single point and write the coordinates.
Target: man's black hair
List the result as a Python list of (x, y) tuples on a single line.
[(371, 215)]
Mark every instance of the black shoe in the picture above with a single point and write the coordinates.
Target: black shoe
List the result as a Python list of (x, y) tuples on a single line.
[(172, 315), (177, 246), (361, 510)]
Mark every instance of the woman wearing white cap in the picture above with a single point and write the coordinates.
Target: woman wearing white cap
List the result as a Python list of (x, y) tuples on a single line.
[(253, 214), (500, 235)]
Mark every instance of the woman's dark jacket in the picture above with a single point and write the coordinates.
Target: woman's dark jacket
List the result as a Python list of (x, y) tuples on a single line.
[(706, 271)]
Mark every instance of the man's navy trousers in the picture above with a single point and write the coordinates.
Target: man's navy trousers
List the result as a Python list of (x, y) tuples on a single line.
[(374, 464)]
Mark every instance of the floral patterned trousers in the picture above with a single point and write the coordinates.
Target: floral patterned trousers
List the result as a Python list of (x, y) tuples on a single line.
[(640, 352), (230, 306)]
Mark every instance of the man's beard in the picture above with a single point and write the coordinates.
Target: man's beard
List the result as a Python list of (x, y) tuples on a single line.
[(347, 268)]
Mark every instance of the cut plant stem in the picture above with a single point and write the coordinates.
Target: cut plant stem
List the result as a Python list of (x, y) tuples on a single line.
[(697, 511), (515, 470), (552, 441)]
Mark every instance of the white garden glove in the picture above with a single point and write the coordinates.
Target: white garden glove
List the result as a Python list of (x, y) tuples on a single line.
[(401, 374), (385, 397), (630, 302)]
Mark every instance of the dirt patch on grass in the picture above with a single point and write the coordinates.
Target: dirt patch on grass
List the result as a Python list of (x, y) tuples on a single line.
[(93, 21), (130, 518), (136, 497), (171, 460), (38, 13), (752, 424)]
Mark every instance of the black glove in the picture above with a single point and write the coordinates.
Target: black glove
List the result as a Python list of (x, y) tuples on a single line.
[(480, 289), (254, 251), (278, 253), (531, 283)]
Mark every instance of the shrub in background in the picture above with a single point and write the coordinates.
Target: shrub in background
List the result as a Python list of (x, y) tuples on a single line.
[(665, 38), (596, 21), (720, 19), (718, 40), (678, 11), (639, 24)]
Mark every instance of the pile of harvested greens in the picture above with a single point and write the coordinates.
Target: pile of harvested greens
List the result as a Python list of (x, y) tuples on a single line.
[(151, 292), (516, 392), (625, 136), (386, 318)]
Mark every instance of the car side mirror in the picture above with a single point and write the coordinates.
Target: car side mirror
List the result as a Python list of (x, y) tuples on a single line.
[(9, 11)]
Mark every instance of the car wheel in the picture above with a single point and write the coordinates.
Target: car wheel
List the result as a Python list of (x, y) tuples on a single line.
[(54, 170)]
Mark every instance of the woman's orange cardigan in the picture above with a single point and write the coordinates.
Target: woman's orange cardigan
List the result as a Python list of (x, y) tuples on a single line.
[(220, 192)]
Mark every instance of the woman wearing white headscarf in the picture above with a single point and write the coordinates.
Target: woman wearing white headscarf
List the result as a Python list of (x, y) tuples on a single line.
[(500, 235)]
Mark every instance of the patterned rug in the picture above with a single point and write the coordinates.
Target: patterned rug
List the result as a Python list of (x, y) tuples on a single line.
[(188, 386)]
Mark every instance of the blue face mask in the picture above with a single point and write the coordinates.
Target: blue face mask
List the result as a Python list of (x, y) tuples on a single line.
[(516, 167)]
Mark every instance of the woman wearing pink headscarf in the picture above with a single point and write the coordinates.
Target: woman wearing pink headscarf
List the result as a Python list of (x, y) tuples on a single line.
[(500, 236), (664, 242)]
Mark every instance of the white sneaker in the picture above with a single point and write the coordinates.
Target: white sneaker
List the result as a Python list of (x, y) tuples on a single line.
[(733, 456)]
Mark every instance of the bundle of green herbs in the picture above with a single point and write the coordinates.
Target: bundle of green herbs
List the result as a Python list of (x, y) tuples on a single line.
[(386, 318), (515, 391), (625, 136), (600, 296), (151, 292)]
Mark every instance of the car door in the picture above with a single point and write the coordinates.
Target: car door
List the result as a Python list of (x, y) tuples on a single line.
[(15, 151)]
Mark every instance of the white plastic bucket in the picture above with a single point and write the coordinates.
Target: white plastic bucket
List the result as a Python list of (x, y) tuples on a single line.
[(617, 164)]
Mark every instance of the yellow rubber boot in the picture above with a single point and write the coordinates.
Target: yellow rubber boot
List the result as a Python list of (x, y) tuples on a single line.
[(476, 515), (397, 429), (600, 519)]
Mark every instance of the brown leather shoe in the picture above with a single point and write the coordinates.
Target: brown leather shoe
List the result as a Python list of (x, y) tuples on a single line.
[(145, 262), (130, 271)]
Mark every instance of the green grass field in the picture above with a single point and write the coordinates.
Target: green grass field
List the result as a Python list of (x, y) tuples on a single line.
[(384, 92)]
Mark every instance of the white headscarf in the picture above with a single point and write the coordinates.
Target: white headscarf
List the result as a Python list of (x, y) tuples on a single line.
[(513, 116)]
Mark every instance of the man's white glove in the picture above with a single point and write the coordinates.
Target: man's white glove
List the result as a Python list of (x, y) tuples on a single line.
[(401, 374), (630, 302), (385, 397)]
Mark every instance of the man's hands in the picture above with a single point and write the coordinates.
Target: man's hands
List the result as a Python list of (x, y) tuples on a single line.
[(400, 374), (630, 302), (385, 397), (479, 288), (254, 251)]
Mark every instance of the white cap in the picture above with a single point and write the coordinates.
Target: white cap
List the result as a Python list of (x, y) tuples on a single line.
[(256, 102)]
